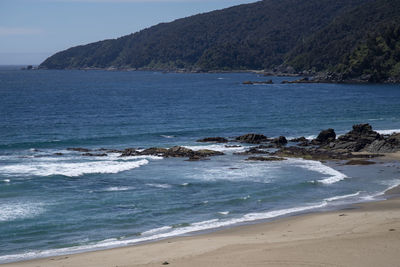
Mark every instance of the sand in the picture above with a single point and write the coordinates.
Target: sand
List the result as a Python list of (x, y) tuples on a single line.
[(368, 235)]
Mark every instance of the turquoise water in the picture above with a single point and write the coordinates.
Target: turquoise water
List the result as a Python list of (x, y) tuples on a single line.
[(56, 204)]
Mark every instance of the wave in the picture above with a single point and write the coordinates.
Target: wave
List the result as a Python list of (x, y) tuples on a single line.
[(342, 197), (70, 169), (118, 188), (16, 211), (167, 136), (162, 232), (165, 186), (390, 131), (217, 147), (334, 176)]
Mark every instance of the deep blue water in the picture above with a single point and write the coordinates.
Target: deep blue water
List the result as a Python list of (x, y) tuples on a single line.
[(53, 204)]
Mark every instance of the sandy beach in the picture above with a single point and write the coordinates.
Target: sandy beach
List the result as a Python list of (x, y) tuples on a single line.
[(366, 235)]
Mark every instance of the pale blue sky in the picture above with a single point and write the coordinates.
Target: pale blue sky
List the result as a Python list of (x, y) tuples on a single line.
[(32, 30)]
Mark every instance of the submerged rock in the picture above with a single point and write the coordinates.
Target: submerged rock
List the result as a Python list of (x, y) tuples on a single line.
[(214, 140), (78, 149), (359, 162), (265, 159), (94, 155), (252, 138)]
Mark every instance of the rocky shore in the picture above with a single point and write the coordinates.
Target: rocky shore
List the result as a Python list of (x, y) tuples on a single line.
[(357, 146)]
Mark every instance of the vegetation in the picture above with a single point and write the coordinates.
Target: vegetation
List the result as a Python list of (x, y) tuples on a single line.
[(353, 38)]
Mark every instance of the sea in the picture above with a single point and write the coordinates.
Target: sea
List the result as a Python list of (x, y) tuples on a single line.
[(54, 201)]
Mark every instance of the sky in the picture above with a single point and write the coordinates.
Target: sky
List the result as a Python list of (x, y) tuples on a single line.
[(32, 30)]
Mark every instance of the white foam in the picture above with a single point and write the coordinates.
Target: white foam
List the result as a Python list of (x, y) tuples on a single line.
[(71, 169), (390, 131), (6, 180), (167, 136), (157, 230), (217, 147), (119, 188), (160, 185), (162, 232), (334, 176), (342, 197), (15, 211), (224, 212)]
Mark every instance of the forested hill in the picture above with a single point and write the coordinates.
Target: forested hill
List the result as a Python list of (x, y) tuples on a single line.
[(271, 34)]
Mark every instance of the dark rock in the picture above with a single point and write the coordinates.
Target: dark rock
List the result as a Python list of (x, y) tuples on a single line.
[(94, 154), (325, 137), (154, 151), (387, 145), (214, 139), (179, 151), (265, 159), (312, 153), (280, 141), (232, 146), (252, 138), (357, 139), (208, 153), (129, 152), (58, 154), (252, 151), (359, 162), (196, 158), (78, 149), (298, 140), (258, 82)]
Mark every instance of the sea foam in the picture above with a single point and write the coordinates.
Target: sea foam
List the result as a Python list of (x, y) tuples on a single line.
[(71, 169), (333, 176)]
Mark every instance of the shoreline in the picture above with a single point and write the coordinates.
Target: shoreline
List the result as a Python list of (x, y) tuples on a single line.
[(375, 222)]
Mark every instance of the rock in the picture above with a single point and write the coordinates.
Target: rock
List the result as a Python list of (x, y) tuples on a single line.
[(258, 82), (58, 154), (325, 137), (129, 152), (232, 146), (196, 158), (280, 141), (78, 149), (390, 144), (359, 162), (252, 138), (179, 151), (94, 155), (154, 151), (214, 139), (298, 140), (251, 151), (265, 158), (208, 153), (311, 153), (357, 139)]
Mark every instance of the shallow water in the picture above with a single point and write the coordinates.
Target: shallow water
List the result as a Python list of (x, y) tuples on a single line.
[(54, 204)]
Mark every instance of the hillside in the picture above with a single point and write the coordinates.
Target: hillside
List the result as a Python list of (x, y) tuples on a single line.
[(300, 36), (250, 36)]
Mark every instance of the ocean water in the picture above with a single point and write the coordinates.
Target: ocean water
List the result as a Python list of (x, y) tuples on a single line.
[(52, 204)]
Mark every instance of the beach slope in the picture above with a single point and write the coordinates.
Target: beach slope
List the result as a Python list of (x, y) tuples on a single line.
[(368, 235)]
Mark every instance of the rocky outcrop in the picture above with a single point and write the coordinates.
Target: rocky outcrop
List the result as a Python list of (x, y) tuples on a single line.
[(280, 141), (385, 145), (359, 162), (252, 138), (213, 140), (325, 137), (357, 139)]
